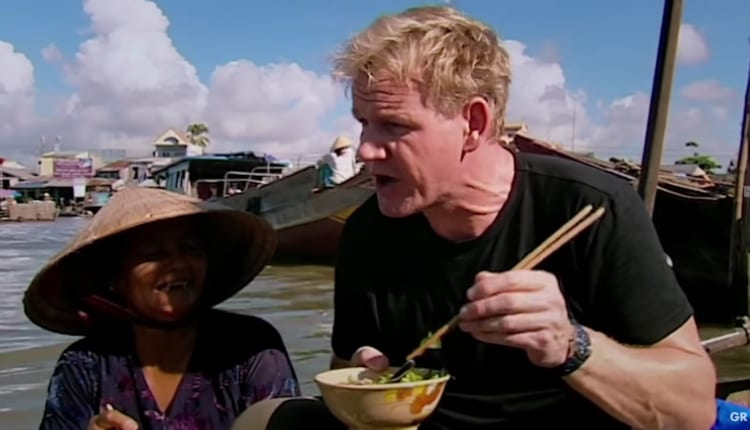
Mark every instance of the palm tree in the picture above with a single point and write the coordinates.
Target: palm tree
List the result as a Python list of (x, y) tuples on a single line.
[(198, 134)]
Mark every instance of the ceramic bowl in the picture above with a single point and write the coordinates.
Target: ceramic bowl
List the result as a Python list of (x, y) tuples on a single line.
[(363, 406)]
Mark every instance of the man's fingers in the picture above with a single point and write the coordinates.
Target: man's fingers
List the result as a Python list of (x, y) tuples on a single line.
[(502, 304), (371, 358), (487, 284), (508, 324)]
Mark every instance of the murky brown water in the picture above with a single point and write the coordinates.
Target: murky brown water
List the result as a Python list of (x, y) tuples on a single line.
[(296, 299)]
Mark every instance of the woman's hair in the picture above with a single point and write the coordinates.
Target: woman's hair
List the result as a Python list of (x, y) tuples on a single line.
[(451, 58)]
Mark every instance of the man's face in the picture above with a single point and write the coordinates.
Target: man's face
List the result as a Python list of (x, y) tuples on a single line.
[(413, 151)]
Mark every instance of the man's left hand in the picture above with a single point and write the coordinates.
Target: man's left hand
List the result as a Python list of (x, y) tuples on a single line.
[(523, 309)]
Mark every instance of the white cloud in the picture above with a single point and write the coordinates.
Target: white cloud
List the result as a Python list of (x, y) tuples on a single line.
[(16, 92), (541, 97), (128, 77), (709, 90), (623, 130), (273, 104), (692, 47), (622, 126), (129, 82)]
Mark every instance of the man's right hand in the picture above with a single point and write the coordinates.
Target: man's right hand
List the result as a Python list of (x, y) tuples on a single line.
[(110, 419), (370, 357)]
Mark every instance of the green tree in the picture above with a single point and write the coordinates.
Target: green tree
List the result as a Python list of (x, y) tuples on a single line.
[(198, 134), (705, 162)]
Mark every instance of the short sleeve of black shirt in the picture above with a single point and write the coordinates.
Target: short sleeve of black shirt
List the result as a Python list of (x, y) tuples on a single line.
[(635, 290)]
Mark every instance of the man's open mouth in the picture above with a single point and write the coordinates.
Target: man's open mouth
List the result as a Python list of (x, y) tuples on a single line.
[(383, 180)]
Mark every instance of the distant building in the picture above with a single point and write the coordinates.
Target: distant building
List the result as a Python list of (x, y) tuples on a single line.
[(168, 148), (510, 130), (175, 144), (10, 164), (692, 170), (126, 170), (11, 173), (68, 164), (207, 176)]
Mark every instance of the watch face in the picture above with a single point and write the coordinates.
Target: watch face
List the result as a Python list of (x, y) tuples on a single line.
[(583, 340), (580, 345), (580, 349)]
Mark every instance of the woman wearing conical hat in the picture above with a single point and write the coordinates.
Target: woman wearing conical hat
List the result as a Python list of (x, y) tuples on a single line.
[(139, 283), (339, 163)]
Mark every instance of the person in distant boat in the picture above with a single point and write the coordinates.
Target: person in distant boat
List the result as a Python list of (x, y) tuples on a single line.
[(598, 336), (139, 282), (339, 164)]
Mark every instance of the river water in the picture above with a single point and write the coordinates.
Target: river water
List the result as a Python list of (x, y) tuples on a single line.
[(296, 299)]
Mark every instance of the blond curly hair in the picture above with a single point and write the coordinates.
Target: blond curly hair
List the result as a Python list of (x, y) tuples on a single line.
[(449, 55)]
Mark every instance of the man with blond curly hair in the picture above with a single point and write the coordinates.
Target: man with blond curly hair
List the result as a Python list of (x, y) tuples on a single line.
[(599, 336)]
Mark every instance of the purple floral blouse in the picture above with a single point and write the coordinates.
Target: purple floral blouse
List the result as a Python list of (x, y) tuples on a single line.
[(225, 376)]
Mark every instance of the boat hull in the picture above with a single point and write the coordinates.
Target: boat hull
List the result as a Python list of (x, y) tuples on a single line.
[(310, 230), (308, 222), (313, 242)]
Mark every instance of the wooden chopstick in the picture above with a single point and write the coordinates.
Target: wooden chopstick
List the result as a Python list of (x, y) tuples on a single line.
[(554, 237), (565, 238), (563, 235)]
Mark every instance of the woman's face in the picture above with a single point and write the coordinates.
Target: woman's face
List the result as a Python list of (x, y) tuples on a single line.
[(164, 270)]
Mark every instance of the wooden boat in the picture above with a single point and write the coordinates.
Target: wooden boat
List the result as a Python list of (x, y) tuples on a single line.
[(700, 259), (308, 220), (731, 386)]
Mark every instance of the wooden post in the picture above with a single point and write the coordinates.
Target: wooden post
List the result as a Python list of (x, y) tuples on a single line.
[(739, 257), (653, 146), (742, 156)]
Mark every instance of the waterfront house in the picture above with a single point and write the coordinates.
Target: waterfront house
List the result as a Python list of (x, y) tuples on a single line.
[(67, 178), (90, 193), (174, 143), (128, 171), (11, 173), (66, 163), (510, 131), (211, 175)]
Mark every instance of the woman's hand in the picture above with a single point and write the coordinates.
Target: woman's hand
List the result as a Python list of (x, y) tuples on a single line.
[(110, 419)]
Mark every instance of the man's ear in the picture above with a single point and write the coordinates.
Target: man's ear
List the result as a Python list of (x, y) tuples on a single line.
[(478, 115)]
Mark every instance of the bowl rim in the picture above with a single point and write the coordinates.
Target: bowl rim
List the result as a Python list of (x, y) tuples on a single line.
[(378, 387)]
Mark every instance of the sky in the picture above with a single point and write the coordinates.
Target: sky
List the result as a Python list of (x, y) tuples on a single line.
[(116, 74)]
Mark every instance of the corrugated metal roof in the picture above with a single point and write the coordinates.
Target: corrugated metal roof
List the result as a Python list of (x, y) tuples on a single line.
[(48, 182), (22, 174)]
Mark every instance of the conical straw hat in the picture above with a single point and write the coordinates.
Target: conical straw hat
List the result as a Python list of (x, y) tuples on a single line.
[(341, 142), (239, 245)]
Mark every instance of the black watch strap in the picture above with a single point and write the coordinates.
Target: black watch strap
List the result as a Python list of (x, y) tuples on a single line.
[(578, 352)]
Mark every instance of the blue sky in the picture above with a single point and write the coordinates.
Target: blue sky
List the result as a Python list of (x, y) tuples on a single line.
[(606, 52)]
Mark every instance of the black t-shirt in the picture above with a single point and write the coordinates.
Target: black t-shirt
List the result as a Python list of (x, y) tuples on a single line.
[(396, 280)]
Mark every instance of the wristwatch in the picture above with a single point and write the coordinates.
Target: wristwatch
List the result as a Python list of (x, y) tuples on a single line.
[(579, 350)]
